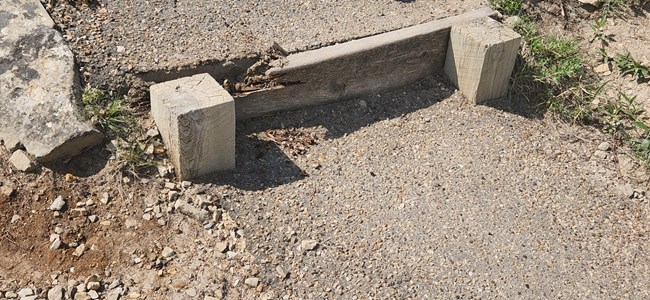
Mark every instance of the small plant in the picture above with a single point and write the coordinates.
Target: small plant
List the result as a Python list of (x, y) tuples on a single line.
[(629, 66), (507, 7), (114, 118), (134, 158), (106, 111), (641, 145), (551, 72), (599, 31)]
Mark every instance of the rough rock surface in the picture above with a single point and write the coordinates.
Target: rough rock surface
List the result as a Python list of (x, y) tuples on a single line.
[(38, 85), (21, 161)]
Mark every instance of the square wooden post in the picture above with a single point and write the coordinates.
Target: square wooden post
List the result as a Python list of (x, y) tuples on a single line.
[(480, 58), (196, 119)]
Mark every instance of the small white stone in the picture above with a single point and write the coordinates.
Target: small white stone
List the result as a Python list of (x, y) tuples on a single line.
[(93, 285), (152, 132), (252, 281), (172, 196), (55, 293), (56, 244), (22, 162), (15, 219), (185, 184), (221, 247), (79, 251), (191, 292), (604, 146), (57, 204), (104, 199), (24, 292), (308, 245), (167, 252)]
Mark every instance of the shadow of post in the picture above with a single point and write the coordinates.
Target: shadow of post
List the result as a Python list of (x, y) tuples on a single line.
[(263, 164)]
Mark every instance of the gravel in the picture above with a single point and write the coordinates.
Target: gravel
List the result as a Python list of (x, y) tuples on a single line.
[(410, 196), (396, 195)]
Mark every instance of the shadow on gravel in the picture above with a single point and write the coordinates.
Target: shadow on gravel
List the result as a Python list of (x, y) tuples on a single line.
[(263, 164), (526, 108), (641, 10)]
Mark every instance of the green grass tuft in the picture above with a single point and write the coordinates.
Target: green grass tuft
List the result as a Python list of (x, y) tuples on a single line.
[(106, 111), (551, 72), (630, 66), (507, 7)]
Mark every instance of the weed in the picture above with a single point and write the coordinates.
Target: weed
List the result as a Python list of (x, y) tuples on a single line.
[(599, 31), (106, 111), (629, 66), (551, 72), (641, 145), (615, 5), (620, 115), (133, 158), (114, 118), (507, 7)]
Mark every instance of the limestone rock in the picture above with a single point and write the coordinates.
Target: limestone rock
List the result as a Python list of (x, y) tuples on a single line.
[(21, 161), (308, 245), (252, 281), (39, 86), (55, 293), (189, 210), (57, 204)]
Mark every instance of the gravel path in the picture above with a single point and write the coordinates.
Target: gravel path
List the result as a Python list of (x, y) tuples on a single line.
[(451, 200), (412, 194), (125, 36)]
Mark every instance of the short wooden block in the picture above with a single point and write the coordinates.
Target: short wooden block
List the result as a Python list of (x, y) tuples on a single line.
[(480, 58), (196, 119)]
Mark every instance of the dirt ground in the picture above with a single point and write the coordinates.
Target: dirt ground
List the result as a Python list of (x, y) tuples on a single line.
[(626, 31), (409, 194)]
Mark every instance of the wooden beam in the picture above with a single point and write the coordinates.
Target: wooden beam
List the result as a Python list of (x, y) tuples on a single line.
[(368, 65)]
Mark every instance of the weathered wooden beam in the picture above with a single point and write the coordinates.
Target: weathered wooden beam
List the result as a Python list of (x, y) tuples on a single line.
[(196, 119), (357, 67), (481, 57)]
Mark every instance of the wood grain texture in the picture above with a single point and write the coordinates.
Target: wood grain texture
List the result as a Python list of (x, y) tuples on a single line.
[(196, 119), (358, 67), (480, 58)]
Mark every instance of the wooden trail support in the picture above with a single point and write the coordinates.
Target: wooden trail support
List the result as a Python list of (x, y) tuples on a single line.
[(196, 116)]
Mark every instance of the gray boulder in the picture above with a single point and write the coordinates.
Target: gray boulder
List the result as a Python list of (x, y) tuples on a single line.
[(39, 86)]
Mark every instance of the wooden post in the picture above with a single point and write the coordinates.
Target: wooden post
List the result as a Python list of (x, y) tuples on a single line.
[(480, 58), (196, 119)]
